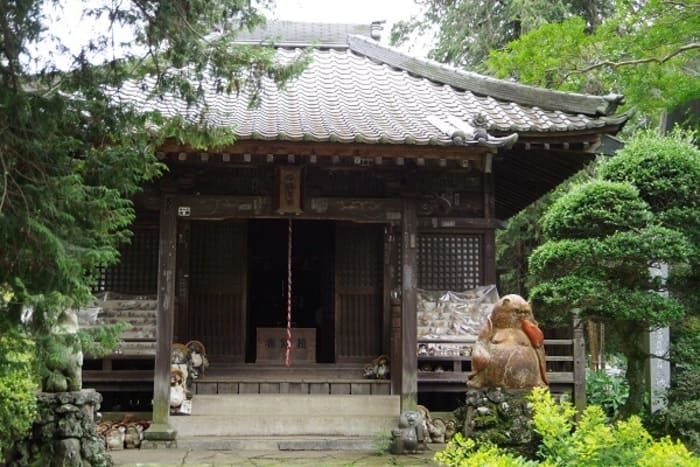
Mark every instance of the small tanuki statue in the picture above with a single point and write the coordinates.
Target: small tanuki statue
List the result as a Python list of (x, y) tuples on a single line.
[(411, 435), (178, 393), (509, 352)]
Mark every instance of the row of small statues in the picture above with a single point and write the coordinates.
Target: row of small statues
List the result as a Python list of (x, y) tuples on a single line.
[(378, 368), (126, 434), (187, 362), (417, 428)]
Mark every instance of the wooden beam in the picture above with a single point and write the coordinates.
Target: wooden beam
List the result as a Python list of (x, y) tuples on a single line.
[(456, 223), (489, 253), (489, 196), (380, 210), (349, 150), (409, 330), (167, 251), (489, 257)]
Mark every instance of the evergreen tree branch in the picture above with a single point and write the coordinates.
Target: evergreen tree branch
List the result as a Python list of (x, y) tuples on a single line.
[(612, 64)]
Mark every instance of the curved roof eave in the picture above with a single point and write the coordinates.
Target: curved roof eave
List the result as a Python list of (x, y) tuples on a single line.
[(486, 85)]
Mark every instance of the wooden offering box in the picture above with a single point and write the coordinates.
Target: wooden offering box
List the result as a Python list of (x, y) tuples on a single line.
[(272, 345)]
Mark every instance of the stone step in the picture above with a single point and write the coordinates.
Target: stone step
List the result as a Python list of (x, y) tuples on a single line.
[(141, 320), (280, 443), (251, 415), (115, 305), (295, 404), (233, 425)]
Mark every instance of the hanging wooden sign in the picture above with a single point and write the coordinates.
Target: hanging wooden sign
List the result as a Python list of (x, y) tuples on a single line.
[(289, 190)]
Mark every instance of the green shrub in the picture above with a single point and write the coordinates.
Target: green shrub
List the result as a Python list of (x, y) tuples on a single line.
[(17, 381), (591, 441), (609, 392), (681, 417), (463, 451), (595, 209)]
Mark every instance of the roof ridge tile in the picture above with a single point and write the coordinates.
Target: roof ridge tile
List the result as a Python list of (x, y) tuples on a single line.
[(486, 85)]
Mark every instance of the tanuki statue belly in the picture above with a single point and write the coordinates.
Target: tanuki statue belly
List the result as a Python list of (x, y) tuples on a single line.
[(509, 352)]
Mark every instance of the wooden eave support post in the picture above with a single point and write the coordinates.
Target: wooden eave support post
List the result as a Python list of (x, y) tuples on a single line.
[(161, 431), (489, 214), (409, 331)]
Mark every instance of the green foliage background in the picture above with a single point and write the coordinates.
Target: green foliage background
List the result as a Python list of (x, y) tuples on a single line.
[(605, 234), (17, 381), (72, 156), (590, 441)]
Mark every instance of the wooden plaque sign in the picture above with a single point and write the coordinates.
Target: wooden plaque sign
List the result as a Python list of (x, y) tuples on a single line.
[(272, 345), (289, 190)]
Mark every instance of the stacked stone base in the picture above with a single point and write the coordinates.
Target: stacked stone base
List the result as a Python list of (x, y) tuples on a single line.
[(502, 417), (64, 434)]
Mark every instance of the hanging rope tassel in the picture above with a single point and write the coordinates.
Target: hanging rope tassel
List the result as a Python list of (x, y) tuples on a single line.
[(288, 357)]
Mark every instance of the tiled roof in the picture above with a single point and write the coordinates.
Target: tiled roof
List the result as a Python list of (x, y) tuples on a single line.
[(295, 34), (353, 95)]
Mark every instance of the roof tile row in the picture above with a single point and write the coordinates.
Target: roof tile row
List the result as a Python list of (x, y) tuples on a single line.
[(346, 97)]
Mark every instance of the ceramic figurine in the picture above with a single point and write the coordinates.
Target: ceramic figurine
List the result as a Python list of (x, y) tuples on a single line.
[(509, 352), (379, 368), (132, 436), (450, 429), (198, 358), (179, 360), (177, 389), (114, 437), (410, 436)]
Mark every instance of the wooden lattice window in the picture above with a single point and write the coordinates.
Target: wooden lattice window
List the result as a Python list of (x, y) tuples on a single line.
[(450, 261), (137, 270), (359, 263)]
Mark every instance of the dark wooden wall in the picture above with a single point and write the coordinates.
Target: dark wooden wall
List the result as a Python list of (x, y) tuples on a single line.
[(359, 291), (217, 294)]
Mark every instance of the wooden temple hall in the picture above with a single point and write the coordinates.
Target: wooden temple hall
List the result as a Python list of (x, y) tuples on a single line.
[(371, 176)]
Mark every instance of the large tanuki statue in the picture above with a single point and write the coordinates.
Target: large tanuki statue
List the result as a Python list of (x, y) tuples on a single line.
[(509, 352)]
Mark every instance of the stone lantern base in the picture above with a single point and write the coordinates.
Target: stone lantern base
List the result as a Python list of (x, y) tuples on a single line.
[(65, 433)]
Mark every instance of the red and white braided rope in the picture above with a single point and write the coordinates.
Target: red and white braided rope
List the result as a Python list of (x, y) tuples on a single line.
[(288, 357)]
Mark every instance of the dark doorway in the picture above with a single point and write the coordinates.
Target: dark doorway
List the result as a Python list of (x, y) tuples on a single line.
[(313, 247)]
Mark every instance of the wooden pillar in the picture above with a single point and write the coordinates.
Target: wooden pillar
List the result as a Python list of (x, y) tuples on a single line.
[(392, 292), (182, 287), (167, 249), (409, 331), (396, 347), (489, 257), (579, 350)]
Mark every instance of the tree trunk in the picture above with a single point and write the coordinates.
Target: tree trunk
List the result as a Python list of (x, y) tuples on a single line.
[(633, 348)]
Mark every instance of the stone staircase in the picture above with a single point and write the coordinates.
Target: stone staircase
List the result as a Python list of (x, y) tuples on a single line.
[(316, 421)]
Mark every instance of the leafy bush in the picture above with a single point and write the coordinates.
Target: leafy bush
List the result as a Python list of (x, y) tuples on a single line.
[(463, 451), (664, 169), (595, 209), (681, 417), (591, 441), (17, 380), (609, 392)]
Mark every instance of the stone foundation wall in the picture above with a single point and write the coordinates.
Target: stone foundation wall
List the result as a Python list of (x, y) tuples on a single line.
[(65, 433), (502, 417)]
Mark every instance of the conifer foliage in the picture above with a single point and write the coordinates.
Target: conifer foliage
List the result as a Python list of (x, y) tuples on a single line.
[(71, 156)]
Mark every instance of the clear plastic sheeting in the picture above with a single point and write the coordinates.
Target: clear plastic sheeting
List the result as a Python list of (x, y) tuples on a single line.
[(454, 318)]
